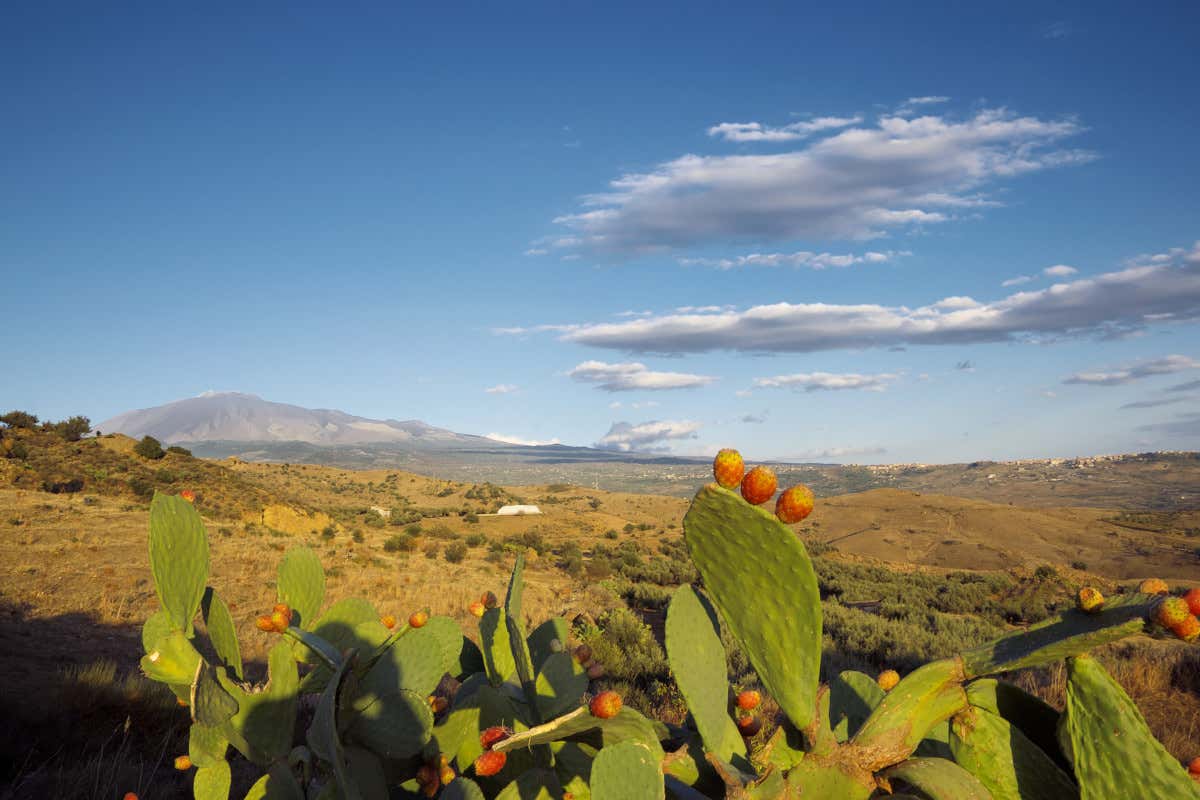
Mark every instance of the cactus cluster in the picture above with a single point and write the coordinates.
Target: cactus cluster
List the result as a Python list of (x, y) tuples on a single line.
[(518, 720)]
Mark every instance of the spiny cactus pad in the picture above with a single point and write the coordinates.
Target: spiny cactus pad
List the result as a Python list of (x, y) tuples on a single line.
[(178, 557), (735, 547), (301, 584), (627, 770), (937, 779), (1005, 760)]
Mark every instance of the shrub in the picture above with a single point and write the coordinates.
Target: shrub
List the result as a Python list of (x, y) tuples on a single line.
[(179, 451), (432, 549), (471, 517), (356, 535), (476, 539), (610, 534), (455, 552), (142, 487), (149, 448), (397, 543), (19, 419)]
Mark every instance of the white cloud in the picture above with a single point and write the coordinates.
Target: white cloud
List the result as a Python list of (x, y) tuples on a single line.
[(757, 132), (1166, 365), (648, 436), (827, 381), (911, 105), (1165, 401), (1017, 281), (1059, 271), (501, 437), (634, 376), (837, 453), (536, 251), (796, 260), (857, 183), (1109, 304), (702, 309), (501, 388)]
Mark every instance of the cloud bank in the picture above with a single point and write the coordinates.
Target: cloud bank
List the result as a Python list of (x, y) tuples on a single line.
[(647, 437), (634, 376)]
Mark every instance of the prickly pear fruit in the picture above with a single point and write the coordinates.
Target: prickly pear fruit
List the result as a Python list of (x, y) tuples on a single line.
[(189, 495), (265, 624), (1170, 611), (1090, 600), (794, 504), (759, 485), (748, 700), (418, 620), (489, 763), (183, 763), (280, 621), (605, 705), (1187, 630), (447, 774), (749, 726), (429, 779), (476, 609), (438, 704), (1192, 598), (596, 671), (1194, 768), (490, 600), (282, 608), (388, 621), (888, 679), (728, 468), (130, 796), (494, 734), (1153, 586), (583, 654)]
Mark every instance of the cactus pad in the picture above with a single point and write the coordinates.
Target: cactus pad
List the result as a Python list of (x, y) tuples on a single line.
[(560, 685), (852, 697), (937, 779), (301, 584), (218, 623), (1005, 760), (213, 781), (626, 770), (178, 557)]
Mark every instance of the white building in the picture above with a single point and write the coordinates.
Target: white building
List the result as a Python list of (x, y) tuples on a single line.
[(513, 511)]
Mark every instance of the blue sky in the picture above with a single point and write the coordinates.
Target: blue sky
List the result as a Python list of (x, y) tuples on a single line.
[(391, 210)]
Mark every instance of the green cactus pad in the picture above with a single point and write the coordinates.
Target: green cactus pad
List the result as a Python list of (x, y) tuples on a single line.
[(278, 784), (938, 779), (785, 748), (449, 638), (580, 725), (395, 723), (156, 627), (852, 697), (178, 558), (462, 789), (301, 585), (1052, 640), (573, 765), (367, 773), (222, 632), (1114, 752), (209, 702), (171, 660), (212, 782), (1005, 760), (560, 685), (415, 662), (1031, 715), (697, 658), (627, 770), (497, 653), (206, 745), (469, 660), (323, 738), (813, 778), (515, 622), (337, 628), (923, 699), (737, 547), (541, 641), (267, 717), (534, 784)]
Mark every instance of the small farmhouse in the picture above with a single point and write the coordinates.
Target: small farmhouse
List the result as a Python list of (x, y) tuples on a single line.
[(513, 511)]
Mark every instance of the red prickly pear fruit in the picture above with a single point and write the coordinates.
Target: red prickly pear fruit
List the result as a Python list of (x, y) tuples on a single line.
[(489, 763), (749, 726), (1187, 630), (388, 621), (490, 600), (183, 763), (418, 620), (429, 779), (728, 468), (1194, 767), (888, 679), (1170, 611), (447, 775), (265, 624), (283, 608), (759, 485), (280, 621), (748, 700), (605, 705), (438, 704), (1153, 586), (1090, 600), (794, 505), (476, 609), (494, 734), (596, 671), (583, 654), (179, 701), (1192, 598), (130, 796), (189, 495)]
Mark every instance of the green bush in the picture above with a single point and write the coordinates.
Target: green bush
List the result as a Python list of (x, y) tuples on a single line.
[(455, 552), (149, 448), (476, 539), (399, 544), (179, 451), (19, 419)]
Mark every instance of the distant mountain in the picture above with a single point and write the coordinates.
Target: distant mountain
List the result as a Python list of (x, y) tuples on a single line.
[(238, 417)]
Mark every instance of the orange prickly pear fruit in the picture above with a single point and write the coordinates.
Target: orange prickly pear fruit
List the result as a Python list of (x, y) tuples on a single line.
[(1194, 768), (1170, 611), (265, 624), (794, 505), (605, 705), (596, 671), (888, 679), (1090, 600), (583, 654), (183, 763), (429, 779), (476, 609), (489, 763), (1187, 630), (189, 495), (494, 734), (179, 701), (283, 608), (280, 621), (418, 620), (728, 468), (490, 600), (438, 704), (447, 775), (748, 700), (1153, 586), (749, 726), (388, 621), (759, 485), (130, 796), (1192, 598)]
